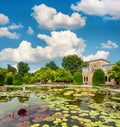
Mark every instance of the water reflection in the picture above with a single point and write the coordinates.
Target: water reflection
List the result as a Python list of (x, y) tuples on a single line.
[(23, 99), (99, 97), (55, 109)]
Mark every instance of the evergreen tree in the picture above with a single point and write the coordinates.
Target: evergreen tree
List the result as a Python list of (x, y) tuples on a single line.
[(77, 78), (98, 77), (17, 79)]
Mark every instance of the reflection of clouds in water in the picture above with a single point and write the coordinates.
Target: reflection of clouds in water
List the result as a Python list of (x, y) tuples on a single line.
[(32, 94)]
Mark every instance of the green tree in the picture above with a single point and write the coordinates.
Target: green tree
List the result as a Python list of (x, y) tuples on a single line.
[(52, 65), (114, 72), (72, 63), (77, 78), (23, 68), (98, 77), (62, 75), (11, 69), (44, 74), (27, 78), (3, 73), (9, 78), (17, 79)]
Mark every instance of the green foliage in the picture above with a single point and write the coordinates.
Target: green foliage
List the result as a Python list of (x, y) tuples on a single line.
[(72, 63), (17, 79), (99, 97), (52, 65), (98, 77), (44, 74), (62, 75), (77, 78), (114, 72), (27, 78), (9, 78), (11, 69), (2, 75), (23, 99), (23, 68)]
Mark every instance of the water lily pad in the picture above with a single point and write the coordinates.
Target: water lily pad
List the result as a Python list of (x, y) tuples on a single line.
[(45, 125), (75, 126), (35, 125), (68, 93)]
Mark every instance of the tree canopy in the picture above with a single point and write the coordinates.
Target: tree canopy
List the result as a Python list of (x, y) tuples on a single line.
[(11, 69), (17, 79), (44, 74), (3, 73), (98, 77), (114, 72), (77, 78), (23, 68), (62, 75), (52, 65), (72, 63)]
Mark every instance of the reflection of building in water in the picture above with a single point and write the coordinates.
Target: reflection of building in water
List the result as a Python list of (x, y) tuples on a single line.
[(87, 72)]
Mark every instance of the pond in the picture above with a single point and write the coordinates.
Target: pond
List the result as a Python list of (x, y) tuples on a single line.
[(59, 107)]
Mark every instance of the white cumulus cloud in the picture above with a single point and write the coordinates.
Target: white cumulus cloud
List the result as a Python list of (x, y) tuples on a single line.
[(49, 18), (63, 43), (4, 32), (59, 44), (30, 30), (108, 8), (109, 45), (3, 19), (98, 55), (15, 26)]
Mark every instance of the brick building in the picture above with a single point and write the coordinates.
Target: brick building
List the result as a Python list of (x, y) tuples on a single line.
[(87, 72)]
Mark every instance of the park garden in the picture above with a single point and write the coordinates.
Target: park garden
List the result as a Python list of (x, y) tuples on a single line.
[(56, 97)]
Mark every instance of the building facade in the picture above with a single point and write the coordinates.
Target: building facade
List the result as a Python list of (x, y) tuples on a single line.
[(87, 72)]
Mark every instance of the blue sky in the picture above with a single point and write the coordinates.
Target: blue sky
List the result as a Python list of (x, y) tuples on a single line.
[(38, 31)]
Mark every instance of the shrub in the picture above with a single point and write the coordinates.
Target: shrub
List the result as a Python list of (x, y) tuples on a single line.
[(9, 78), (17, 79), (2, 77), (77, 78), (98, 77)]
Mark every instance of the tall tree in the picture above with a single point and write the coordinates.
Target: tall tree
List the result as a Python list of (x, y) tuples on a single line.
[(11, 69), (98, 77), (23, 68), (114, 72), (3, 73), (52, 65), (44, 74), (72, 63), (27, 78), (62, 75), (9, 78)]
